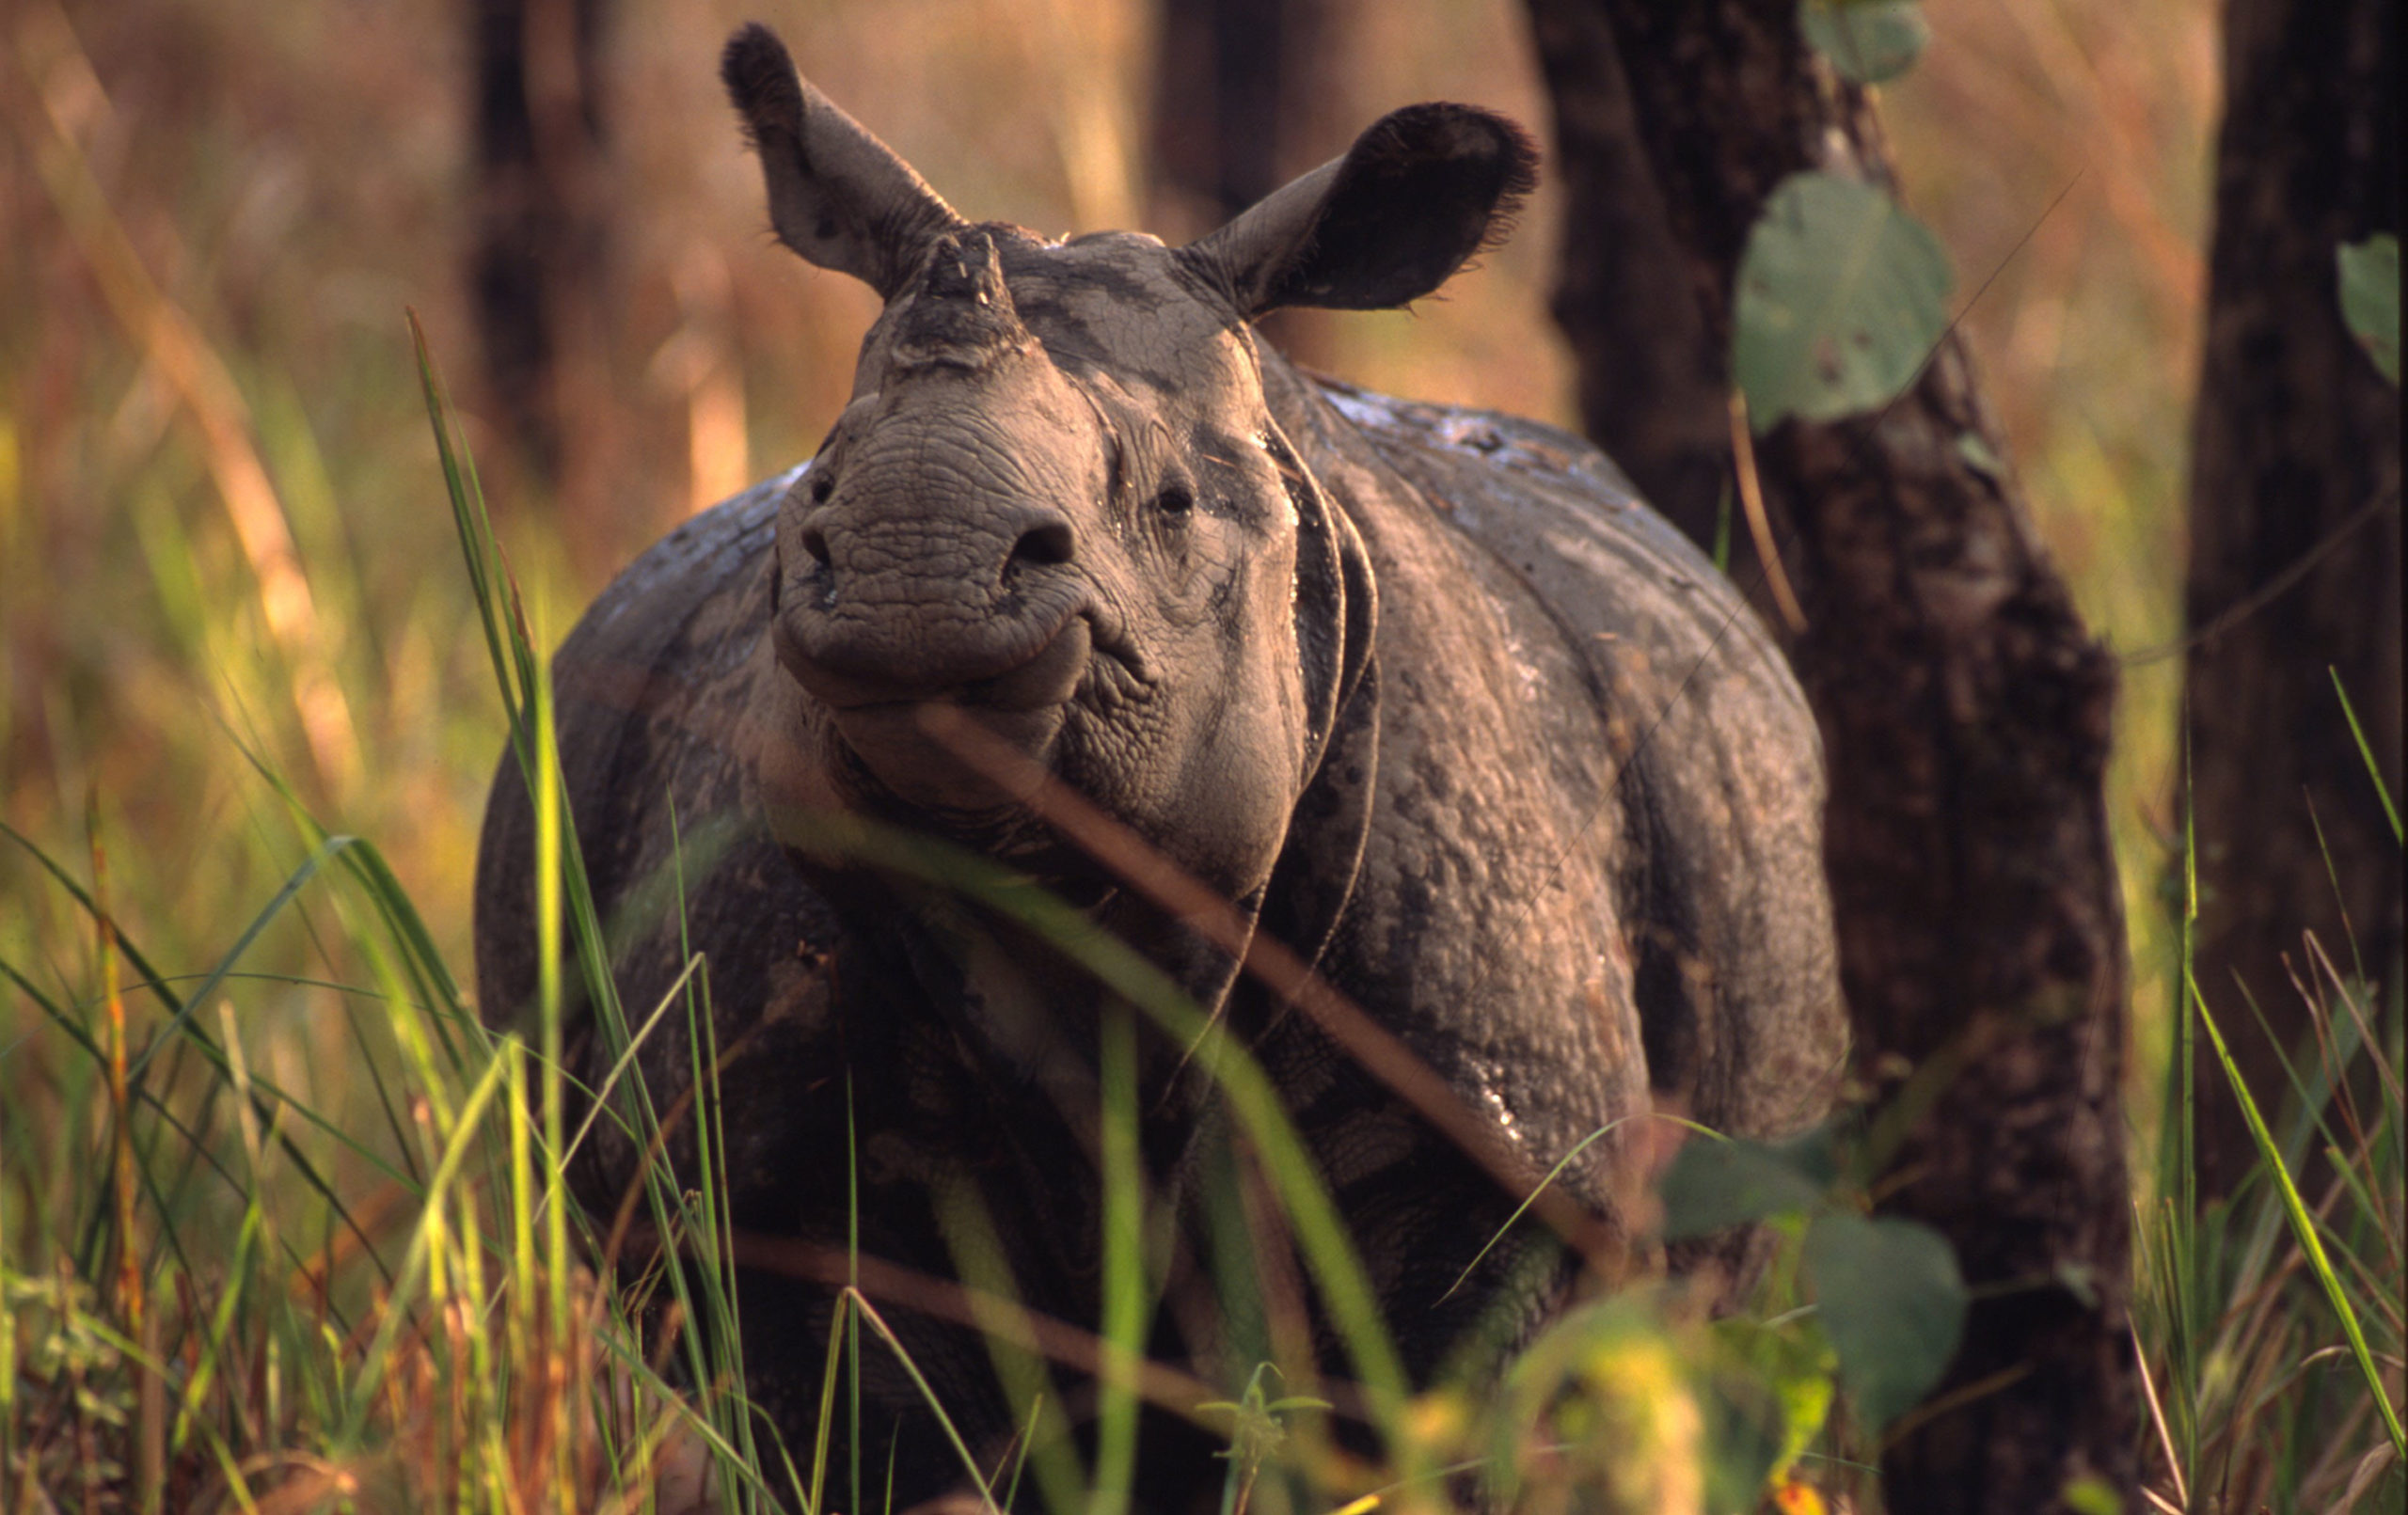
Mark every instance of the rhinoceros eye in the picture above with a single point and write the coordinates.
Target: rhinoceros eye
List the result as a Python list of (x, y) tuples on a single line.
[(821, 487), (1174, 502)]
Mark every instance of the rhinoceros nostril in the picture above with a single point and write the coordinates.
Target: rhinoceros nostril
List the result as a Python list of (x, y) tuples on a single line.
[(814, 542), (1046, 544)]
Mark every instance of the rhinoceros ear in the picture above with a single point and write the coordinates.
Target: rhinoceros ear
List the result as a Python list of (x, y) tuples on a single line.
[(837, 195), (1419, 193)]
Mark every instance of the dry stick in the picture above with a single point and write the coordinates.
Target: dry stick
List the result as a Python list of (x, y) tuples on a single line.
[(942, 1299), (1751, 498), (623, 1221), (1201, 908), (1287, 1324), (2328, 1054), (1956, 1399), (2367, 1038), (2258, 1312), (2157, 1416), (150, 1418), (2272, 590)]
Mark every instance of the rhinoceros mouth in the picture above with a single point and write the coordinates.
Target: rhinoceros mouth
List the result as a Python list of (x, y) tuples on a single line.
[(900, 746), (890, 733), (1016, 670)]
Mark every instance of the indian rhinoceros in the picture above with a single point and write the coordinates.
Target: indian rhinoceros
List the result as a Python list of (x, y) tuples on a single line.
[(1425, 692)]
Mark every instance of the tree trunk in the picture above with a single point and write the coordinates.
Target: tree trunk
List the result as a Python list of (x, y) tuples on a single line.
[(541, 236), (1965, 714), (2297, 446), (1651, 387)]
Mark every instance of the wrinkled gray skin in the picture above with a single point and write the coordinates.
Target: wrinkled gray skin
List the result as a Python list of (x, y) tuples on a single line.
[(1424, 691)]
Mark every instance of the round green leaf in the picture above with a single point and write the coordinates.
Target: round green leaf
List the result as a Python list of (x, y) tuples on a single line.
[(1867, 41), (2370, 298), (1842, 295), (1715, 1182), (1893, 1304)]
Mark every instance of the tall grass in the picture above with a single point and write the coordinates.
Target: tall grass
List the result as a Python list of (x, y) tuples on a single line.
[(259, 1308), (2268, 1324)]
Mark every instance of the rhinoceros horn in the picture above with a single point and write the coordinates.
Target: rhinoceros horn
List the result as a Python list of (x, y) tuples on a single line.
[(960, 316)]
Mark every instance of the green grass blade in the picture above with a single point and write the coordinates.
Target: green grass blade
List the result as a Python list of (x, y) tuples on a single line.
[(2365, 750), (149, 976), (853, 1282), (475, 529), (260, 922), (1124, 1271), (978, 1259), (192, 1137), (829, 1380), (2182, 1267), (868, 1312), (595, 1104), (2305, 1229), (1532, 1198)]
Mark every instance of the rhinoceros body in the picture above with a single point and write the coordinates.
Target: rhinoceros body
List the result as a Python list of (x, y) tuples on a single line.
[(1424, 691)]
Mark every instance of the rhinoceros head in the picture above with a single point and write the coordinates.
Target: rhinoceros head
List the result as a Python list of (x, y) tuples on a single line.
[(1058, 501)]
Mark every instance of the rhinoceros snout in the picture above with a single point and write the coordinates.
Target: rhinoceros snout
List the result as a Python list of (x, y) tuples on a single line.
[(1026, 662), (887, 606), (1047, 541)]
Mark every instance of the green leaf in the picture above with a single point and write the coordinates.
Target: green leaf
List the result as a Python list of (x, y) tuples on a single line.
[(1772, 1393), (1842, 296), (1893, 1304), (1867, 41), (1715, 1182), (2370, 298), (2090, 1494), (1814, 1153)]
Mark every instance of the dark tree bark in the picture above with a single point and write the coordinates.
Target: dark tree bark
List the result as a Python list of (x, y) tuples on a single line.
[(2296, 446), (1243, 97), (1965, 714), (1651, 388), (541, 237)]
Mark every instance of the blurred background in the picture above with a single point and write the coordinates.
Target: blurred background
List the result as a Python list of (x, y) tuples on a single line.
[(225, 551)]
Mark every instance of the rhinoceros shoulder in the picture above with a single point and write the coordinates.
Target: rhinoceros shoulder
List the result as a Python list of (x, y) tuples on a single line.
[(1496, 438), (1565, 518), (654, 599)]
